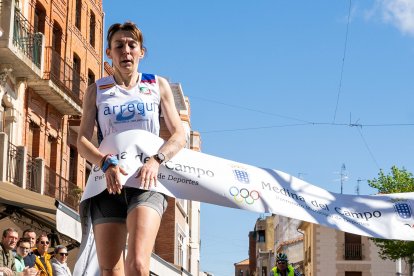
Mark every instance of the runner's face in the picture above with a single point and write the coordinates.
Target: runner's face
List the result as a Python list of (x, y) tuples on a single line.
[(125, 52)]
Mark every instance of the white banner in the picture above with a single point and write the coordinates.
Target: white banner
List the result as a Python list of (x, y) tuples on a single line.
[(201, 177)]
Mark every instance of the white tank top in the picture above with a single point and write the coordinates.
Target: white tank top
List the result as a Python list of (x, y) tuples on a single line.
[(119, 109)]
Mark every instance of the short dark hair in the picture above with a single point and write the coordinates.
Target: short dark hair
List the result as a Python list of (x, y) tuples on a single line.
[(41, 236), (7, 231), (22, 240), (29, 230), (126, 26)]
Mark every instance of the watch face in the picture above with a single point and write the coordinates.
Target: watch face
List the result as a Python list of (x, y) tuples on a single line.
[(161, 157)]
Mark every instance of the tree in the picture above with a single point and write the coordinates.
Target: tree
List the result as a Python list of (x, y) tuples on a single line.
[(398, 181)]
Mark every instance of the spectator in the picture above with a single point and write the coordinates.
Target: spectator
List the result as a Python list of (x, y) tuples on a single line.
[(22, 249), (7, 262), (59, 265), (30, 259), (42, 257), (8, 243)]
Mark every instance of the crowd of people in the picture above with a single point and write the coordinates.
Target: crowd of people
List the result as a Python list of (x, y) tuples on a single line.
[(31, 255)]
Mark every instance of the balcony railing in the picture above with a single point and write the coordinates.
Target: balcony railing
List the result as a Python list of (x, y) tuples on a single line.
[(31, 184), (62, 189), (353, 251), (31, 173), (13, 159), (64, 76), (28, 42)]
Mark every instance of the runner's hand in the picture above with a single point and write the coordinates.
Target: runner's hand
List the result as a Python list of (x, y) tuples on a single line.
[(147, 174), (113, 180)]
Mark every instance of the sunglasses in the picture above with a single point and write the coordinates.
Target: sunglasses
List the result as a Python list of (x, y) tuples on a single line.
[(44, 242), (63, 254)]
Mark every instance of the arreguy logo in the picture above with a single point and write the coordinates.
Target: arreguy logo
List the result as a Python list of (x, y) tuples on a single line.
[(241, 174), (244, 195)]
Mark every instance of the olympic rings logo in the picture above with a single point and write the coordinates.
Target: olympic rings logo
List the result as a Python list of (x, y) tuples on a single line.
[(244, 195)]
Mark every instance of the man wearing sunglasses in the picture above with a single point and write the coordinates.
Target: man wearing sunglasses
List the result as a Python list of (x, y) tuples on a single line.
[(283, 268), (59, 265), (43, 263)]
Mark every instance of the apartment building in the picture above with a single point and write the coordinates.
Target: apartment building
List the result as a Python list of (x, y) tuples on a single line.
[(289, 240), (50, 51), (242, 268), (332, 252), (263, 239)]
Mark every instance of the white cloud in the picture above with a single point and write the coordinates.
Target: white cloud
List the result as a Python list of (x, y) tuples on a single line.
[(399, 13)]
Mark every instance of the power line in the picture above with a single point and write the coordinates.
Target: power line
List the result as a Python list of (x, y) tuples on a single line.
[(305, 124), (249, 109), (368, 149), (343, 61)]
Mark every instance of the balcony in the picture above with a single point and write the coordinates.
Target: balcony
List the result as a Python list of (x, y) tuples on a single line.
[(20, 48), (61, 85), (32, 174), (23, 52), (353, 251)]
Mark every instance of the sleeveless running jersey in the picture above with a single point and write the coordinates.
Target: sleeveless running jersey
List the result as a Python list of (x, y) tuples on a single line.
[(119, 109)]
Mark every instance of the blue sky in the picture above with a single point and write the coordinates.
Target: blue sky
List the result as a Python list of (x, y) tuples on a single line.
[(284, 85)]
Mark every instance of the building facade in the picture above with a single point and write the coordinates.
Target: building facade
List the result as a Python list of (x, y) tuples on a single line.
[(242, 268), (332, 252), (263, 236), (288, 240), (49, 51)]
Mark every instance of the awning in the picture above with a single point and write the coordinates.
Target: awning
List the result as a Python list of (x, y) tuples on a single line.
[(26, 206), (13, 195)]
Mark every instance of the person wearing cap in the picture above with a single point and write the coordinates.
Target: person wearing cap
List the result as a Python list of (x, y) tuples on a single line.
[(283, 268)]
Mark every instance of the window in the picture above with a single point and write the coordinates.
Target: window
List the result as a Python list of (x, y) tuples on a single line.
[(180, 246), (353, 247), (91, 77), (76, 74), (353, 273), (57, 38), (78, 14), (2, 109), (33, 140), (51, 152), (180, 253), (92, 25), (261, 237), (39, 19), (73, 164)]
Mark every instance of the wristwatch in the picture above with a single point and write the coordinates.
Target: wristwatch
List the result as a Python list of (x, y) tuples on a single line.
[(159, 157)]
